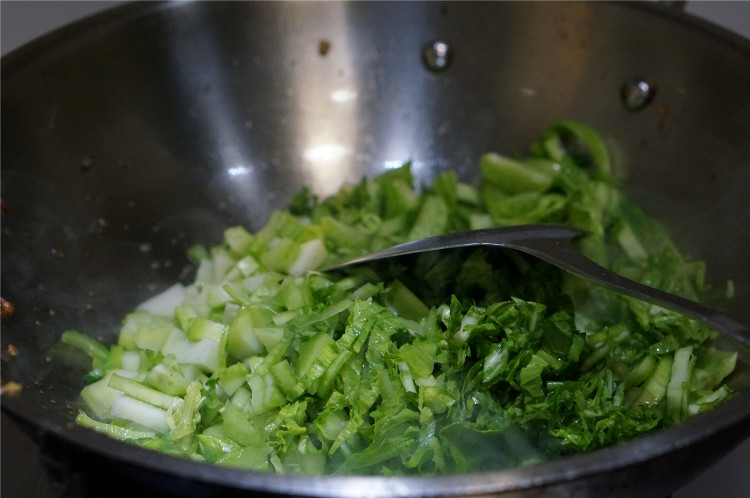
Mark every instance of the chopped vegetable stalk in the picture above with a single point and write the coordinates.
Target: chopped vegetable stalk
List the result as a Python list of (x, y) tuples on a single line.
[(165, 303), (114, 431), (140, 392), (678, 390), (140, 413)]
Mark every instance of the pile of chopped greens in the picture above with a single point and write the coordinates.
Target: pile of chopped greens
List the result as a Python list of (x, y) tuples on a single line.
[(446, 362)]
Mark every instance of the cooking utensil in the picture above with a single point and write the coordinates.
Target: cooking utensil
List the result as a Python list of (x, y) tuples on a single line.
[(130, 137), (552, 243)]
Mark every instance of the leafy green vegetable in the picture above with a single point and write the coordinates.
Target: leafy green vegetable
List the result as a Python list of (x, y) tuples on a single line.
[(440, 363)]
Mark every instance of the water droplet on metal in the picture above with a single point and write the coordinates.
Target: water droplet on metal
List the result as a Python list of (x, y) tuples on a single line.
[(636, 94), (437, 56)]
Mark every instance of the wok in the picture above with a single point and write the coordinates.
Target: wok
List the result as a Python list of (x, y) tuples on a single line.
[(131, 136)]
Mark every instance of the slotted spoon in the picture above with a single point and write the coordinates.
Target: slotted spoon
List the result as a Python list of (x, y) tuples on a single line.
[(552, 243)]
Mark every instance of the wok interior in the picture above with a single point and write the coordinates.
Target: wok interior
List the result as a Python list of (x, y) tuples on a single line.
[(128, 139)]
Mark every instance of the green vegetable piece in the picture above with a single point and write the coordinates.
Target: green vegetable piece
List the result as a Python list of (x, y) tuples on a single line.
[(589, 146), (246, 431), (655, 387), (345, 237), (141, 392), (399, 198), (432, 219), (709, 400), (247, 458), (324, 314), (170, 377), (266, 395), (311, 255), (143, 330), (641, 372), (95, 349), (141, 413), (325, 384), (420, 358), (475, 449), (303, 461), (238, 239), (186, 415), (712, 366), (242, 338), (99, 397), (114, 431), (404, 302), (293, 295), (495, 363), (283, 254), (511, 176), (213, 447), (679, 383), (202, 328), (232, 377), (437, 398), (287, 380), (311, 351), (531, 376)]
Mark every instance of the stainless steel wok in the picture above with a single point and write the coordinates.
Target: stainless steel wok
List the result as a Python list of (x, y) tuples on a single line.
[(130, 137)]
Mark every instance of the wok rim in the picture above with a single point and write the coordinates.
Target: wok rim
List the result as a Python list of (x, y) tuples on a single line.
[(43, 425)]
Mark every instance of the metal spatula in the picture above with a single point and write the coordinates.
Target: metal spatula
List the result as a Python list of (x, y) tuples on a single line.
[(552, 243)]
